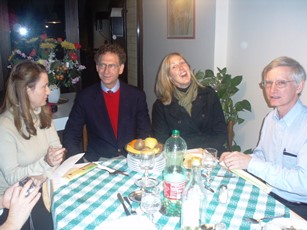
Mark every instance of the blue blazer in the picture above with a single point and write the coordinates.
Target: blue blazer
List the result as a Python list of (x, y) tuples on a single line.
[(90, 109)]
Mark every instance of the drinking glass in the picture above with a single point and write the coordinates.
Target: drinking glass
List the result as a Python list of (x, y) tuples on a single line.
[(151, 202), (209, 162), (146, 162)]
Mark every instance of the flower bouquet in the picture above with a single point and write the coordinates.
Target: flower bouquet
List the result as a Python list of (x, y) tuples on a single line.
[(58, 56)]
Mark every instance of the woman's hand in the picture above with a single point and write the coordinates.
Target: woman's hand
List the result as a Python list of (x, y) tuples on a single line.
[(19, 205), (55, 156)]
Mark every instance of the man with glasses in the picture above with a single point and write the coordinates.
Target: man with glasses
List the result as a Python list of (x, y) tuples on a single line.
[(280, 158), (113, 112)]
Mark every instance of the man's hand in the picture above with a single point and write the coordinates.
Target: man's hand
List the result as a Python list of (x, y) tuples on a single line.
[(235, 160)]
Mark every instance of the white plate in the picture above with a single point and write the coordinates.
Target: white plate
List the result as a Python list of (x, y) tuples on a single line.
[(282, 223), (133, 163), (138, 169)]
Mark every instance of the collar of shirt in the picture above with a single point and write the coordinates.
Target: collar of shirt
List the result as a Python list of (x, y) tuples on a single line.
[(114, 89), (291, 115)]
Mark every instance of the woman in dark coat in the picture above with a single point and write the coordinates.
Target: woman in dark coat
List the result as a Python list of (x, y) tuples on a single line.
[(187, 106)]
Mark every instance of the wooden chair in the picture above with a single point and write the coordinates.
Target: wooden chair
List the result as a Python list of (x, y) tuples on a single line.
[(230, 134), (84, 138)]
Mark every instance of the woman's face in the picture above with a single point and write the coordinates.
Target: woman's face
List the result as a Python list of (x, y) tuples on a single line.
[(180, 74), (39, 93)]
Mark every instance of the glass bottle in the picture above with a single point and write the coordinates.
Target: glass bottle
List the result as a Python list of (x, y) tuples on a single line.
[(174, 174), (193, 212)]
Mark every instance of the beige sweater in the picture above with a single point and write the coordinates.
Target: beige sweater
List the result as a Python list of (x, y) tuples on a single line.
[(20, 157)]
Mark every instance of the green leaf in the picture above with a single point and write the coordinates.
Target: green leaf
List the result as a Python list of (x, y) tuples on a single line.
[(236, 148), (226, 86), (236, 80), (248, 151), (243, 105), (240, 120)]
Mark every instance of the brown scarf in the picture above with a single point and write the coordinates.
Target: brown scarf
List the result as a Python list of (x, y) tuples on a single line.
[(185, 98)]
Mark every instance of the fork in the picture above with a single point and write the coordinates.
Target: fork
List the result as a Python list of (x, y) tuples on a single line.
[(131, 207), (114, 171), (258, 220)]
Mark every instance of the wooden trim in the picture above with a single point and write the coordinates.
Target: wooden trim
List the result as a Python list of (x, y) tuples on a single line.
[(72, 20), (139, 40), (5, 43), (230, 133), (84, 138)]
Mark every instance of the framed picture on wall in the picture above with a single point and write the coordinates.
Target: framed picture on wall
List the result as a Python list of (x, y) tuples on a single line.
[(180, 18)]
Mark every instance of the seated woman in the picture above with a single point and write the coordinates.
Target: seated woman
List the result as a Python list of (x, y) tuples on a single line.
[(187, 106), (29, 143)]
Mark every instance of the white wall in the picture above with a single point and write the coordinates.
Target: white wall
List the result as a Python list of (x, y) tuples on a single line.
[(258, 32), (242, 35)]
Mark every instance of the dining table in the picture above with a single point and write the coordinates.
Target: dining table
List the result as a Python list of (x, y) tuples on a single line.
[(90, 200)]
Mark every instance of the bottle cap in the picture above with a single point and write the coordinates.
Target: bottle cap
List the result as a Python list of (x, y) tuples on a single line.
[(176, 132)]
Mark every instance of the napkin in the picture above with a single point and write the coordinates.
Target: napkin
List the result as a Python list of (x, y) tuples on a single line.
[(56, 180), (136, 222), (250, 178)]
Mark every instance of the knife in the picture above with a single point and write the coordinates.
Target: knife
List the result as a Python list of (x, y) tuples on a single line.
[(226, 176), (208, 188), (119, 196)]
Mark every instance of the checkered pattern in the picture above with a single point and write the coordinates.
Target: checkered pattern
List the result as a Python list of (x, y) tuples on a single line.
[(89, 200)]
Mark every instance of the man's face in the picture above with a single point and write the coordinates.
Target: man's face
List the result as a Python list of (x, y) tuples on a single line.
[(109, 69), (281, 89)]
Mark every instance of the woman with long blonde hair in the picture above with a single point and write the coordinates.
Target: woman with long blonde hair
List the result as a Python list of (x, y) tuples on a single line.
[(184, 104)]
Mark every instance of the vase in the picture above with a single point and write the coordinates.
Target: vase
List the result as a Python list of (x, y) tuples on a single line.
[(54, 95)]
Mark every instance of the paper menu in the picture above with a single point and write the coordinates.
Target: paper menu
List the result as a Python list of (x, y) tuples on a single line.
[(66, 166), (56, 180), (250, 178)]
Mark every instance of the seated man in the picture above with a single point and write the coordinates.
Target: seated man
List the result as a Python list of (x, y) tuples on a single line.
[(280, 158), (114, 113)]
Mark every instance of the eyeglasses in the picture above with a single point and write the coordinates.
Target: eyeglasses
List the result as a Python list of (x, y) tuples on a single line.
[(279, 83), (111, 67), (176, 66)]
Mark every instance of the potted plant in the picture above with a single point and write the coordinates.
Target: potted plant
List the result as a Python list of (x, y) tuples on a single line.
[(59, 56), (226, 86)]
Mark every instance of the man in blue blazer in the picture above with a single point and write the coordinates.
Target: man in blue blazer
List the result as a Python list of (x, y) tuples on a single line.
[(113, 112)]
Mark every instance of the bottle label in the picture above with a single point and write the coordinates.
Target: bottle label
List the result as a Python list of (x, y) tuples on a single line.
[(173, 191)]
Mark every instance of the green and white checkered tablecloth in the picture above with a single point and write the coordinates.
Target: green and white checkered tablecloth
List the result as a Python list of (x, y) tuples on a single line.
[(89, 200)]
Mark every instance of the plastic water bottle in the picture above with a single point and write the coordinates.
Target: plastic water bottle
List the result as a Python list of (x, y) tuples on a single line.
[(193, 212), (174, 174)]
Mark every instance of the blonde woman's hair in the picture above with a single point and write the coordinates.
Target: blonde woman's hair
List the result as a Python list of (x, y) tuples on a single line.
[(24, 75), (164, 87)]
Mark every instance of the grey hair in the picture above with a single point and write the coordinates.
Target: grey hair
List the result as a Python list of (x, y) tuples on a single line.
[(298, 72)]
